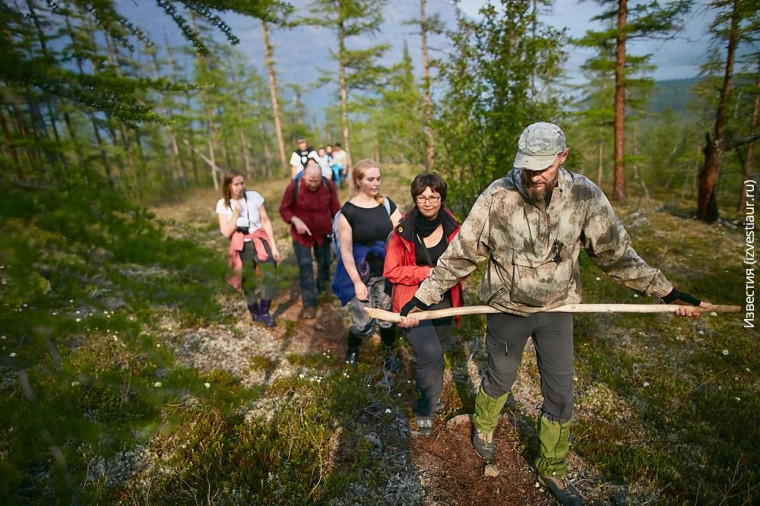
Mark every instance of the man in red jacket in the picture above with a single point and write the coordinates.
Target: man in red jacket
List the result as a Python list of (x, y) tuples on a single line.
[(309, 203)]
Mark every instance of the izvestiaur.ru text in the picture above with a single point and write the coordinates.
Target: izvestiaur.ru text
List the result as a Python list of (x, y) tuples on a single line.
[(750, 258)]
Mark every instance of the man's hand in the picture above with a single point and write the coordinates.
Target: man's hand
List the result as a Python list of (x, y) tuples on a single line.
[(413, 306), (687, 301), (301, 227)]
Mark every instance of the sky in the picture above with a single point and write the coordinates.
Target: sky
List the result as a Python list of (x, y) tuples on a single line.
[(300, 51)]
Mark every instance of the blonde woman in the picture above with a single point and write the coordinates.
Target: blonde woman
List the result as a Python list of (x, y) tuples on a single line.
[(364, 225), (243, 219)]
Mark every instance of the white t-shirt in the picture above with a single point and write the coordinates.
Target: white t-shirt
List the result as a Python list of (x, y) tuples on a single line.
[(325, 166), (339, 158), (249, 210), (299, 161)]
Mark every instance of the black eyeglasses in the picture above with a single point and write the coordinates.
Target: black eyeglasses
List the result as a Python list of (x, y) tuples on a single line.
[(433, 199)]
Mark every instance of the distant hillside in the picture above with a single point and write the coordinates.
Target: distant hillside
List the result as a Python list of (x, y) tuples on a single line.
[(675, 93)]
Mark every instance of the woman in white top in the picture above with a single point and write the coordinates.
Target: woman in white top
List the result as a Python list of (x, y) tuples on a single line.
[(243, 219)]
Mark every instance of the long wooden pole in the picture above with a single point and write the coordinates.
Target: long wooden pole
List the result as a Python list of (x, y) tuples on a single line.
[(389, 316)]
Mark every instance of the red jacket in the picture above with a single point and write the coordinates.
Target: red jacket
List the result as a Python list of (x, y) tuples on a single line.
[(401, 267), (316, 209)]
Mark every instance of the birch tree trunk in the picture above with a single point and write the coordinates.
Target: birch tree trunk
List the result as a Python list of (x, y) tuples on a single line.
[(275, 102)]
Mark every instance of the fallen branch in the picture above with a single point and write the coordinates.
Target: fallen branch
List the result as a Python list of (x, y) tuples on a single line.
[(389, 316)]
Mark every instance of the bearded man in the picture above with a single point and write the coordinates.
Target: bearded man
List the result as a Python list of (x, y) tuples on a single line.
[(530, 227)]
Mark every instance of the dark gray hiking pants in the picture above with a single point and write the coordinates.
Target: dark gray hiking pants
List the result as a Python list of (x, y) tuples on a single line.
[(552, 333)]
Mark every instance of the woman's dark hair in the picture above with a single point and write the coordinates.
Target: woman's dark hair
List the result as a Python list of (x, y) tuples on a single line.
[(226, 191), (431, 179)]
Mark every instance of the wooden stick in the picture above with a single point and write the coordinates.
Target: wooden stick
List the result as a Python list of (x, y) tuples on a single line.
[(389, 316)]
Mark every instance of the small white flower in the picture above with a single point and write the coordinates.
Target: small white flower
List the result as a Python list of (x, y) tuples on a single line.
[(700, 332), (115, 338), (388, 410), (25, 305), (74, 383), (77, 312), (748, 369), (54, 313), (158, 346), (725, 353), (598, 278), (738, 399), (301, 375), (71, 301), (635, 295), (158, 384), (13, 354), (78, 320), (207, 385), (713, 313), (2, 337), (646, 383)]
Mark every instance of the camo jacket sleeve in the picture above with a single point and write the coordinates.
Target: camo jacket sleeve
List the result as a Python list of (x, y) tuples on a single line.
[(609, 246)]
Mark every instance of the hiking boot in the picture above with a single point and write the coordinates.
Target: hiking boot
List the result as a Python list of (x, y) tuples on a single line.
[(391, 363), (562, 490), (351, 358), (424, 425), (483, 443), (265, 317), (255, 311), (308, 313)]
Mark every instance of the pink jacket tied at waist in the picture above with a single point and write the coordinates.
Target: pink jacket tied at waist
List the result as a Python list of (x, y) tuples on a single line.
[(235, 263)]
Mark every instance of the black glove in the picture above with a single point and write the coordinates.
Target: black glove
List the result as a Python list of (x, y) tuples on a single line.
[(681, 298), (413, 306)]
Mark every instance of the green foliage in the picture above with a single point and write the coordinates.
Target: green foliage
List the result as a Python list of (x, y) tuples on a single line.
[(489, 97), (394, 126), (79, 284)]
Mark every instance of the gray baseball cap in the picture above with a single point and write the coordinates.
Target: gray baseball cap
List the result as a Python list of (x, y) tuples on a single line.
[(538, 145)]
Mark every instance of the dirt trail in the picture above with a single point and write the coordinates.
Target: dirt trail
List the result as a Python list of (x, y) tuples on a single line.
[(442, 469)]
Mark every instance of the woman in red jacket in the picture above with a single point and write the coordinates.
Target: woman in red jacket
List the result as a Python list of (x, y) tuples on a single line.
[(417, 241)]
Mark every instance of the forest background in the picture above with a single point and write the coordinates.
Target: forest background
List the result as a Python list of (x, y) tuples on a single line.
[(102, 116)]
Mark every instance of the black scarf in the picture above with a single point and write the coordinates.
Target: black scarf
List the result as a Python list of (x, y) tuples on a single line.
[(425, 227)]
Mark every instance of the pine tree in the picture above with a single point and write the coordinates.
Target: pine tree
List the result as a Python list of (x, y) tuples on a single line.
[(629, 21), (488, 98), (358, 69), (734, 25)]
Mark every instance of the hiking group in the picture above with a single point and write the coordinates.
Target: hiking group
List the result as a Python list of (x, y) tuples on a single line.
[(529, 228)]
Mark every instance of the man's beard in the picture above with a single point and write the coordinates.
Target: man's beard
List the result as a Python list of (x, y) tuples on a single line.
[(537, 194)]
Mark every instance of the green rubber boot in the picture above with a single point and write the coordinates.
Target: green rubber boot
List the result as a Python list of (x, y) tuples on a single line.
[(554, 441), (487, 410)]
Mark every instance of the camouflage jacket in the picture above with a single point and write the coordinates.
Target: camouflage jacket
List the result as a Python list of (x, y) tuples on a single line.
[(532, 251)]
